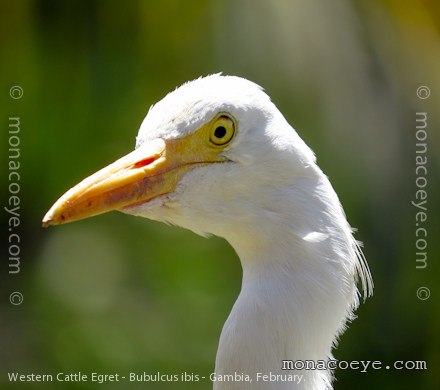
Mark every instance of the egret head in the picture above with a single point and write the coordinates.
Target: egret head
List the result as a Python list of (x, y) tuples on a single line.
[(211, 156)]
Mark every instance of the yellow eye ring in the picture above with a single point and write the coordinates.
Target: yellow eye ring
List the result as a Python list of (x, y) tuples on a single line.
[(222, 130)]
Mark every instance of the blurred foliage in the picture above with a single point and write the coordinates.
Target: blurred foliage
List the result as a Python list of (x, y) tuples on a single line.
[(120, 294)]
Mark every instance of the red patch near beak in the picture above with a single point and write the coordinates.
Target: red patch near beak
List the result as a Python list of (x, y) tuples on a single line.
[(145, 162)]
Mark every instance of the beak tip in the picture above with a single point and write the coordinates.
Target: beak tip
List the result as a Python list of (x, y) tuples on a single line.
[(49, 219)]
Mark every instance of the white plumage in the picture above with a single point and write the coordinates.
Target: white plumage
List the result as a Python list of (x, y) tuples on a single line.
[(272, 203)]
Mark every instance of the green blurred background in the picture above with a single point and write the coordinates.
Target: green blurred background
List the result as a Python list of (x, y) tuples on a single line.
[(122, 294)]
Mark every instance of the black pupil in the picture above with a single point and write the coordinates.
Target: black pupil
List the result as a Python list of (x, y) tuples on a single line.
[(220, 132)]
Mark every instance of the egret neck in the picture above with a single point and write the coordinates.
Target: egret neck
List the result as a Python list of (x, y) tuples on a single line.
[(297, 291)]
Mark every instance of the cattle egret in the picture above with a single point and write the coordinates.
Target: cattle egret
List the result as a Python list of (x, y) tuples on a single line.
[(217, 157)]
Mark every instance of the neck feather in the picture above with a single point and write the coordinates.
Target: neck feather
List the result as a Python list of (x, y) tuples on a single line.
[(298, 292)]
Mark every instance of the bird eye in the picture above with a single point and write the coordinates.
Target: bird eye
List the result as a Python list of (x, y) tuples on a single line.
[(222, 130)]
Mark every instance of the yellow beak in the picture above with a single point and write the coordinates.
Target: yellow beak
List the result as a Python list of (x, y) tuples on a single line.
[(154, 169)]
